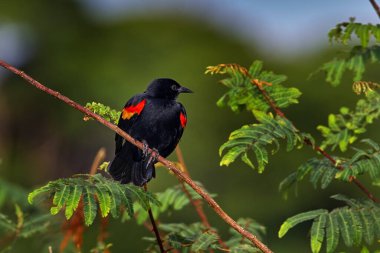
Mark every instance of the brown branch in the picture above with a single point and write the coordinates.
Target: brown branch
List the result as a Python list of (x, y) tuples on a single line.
[(278, 111), (182, 176), (376, 7), (196, 202), (99, 158)]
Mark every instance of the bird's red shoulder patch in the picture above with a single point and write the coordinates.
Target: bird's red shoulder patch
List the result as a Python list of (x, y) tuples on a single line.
[(131, 110), (183, 119)]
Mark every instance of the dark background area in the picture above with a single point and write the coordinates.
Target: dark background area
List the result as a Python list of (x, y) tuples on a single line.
[(70, 47)]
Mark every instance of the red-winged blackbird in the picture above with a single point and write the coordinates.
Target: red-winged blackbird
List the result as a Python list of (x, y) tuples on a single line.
[(154, 118)]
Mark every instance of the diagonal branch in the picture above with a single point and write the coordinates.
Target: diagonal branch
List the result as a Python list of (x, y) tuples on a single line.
[(197, 203), (182, 176), (307, 141), (376, 7)]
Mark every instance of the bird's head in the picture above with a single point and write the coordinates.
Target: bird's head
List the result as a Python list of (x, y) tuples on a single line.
[(166, 88)]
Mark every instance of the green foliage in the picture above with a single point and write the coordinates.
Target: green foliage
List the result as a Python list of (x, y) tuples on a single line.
[(358, 56), (196, 238), (11, 194), (105, 111), (256, 136), (173, 198), (110, 195), (320, 170), (355, 62), (343, 128), (356, 223), (24, 228), (244, 94), (343, 31), (363, 161), (248, 224), (323, 171)]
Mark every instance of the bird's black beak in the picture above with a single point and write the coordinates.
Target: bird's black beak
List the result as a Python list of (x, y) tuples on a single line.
[(184, 90)]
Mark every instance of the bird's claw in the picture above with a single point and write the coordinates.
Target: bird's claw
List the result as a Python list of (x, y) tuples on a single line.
[(153, 157), (145, 148)]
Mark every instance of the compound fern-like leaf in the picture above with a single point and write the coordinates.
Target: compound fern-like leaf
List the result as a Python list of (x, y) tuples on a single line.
[(354, 223), (244, 87), (256, 137), (95, 190)]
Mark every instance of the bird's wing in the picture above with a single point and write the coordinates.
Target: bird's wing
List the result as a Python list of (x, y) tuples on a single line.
[(129, 114), (182, 121)]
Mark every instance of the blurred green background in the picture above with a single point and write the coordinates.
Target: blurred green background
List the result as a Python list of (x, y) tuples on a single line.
[(107, 51)]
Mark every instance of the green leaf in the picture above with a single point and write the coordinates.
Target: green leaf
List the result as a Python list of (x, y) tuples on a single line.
[(116, 196), (261, 156), (104, 200), (344, 220), (89, 206), (318, 232), (345, 128), (126, 200), (247, 161), (368, 225), (332, 232), (355, 62), (37, 192), (231, 155), (38, 224), (60, 198), (299, 218), (73, 201), (244, 94), (257, 137), (104, 111), (204, 241), (6, 223), (360, 220)]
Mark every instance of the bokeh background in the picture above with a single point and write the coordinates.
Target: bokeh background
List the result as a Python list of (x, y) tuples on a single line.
[(107, 51)]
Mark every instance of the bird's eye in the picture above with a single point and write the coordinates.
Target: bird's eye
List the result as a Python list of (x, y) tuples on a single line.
[(174, 87)]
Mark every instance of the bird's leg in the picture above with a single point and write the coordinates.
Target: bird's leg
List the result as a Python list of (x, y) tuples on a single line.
[(153, 157), (145, 149)]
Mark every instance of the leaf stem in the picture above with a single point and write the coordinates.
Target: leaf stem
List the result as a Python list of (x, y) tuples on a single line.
[(182, 176)]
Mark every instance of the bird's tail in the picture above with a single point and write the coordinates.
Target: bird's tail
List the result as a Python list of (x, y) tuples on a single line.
[(127, 171)]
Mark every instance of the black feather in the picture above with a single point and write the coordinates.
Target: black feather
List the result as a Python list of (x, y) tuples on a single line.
[(158, 124)]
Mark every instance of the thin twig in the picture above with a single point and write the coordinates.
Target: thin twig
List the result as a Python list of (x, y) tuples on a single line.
[(197, 203), (340, 167), (155, 229), (182, 176), (307, 141), (99, 158), (376, 7)]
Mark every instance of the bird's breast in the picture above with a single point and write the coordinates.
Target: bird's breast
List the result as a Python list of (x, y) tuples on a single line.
[(158, 124)]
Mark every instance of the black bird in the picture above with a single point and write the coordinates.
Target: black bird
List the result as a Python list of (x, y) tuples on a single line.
[(154, 118)]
